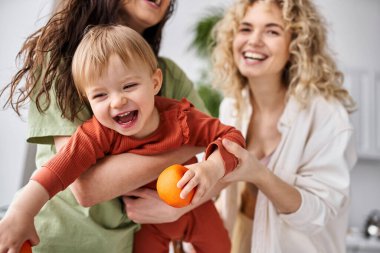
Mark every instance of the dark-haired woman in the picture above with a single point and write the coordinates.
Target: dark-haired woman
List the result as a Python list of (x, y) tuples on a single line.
[(64, 225)]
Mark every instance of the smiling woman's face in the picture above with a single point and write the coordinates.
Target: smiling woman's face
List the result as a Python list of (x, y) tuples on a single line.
[(142, 14), (261, 45)]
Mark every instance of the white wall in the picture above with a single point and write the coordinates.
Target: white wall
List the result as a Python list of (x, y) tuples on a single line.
[(18, 18), (179, 33), (354, 31)]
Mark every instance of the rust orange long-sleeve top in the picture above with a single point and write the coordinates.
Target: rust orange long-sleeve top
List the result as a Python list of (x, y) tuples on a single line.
[(180, 124)]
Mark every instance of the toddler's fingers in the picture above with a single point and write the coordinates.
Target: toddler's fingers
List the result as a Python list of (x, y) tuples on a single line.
[(34, 239), (195, 199), (198, 195), (188, 187), (185, 178)]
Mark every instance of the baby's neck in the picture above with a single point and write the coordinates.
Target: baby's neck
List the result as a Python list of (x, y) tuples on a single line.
[(151, 125)]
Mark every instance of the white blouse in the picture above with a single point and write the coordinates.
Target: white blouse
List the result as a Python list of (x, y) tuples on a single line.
[(315, 154)]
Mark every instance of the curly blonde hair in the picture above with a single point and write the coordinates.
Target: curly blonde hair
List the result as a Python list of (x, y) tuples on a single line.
[(311, 68)]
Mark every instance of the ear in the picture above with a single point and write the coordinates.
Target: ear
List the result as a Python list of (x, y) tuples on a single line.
[(157, 80)]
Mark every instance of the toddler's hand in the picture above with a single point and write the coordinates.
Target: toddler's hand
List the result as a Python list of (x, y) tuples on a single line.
[(203, 176), (15, 229)]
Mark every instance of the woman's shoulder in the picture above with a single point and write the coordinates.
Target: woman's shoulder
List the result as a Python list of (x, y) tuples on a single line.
[(171, 71), (169, 67), (324, 112), (166, 60), (177, 85), (329, 107)]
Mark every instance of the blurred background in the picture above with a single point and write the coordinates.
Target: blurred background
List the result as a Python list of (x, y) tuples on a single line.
[(354, 35)]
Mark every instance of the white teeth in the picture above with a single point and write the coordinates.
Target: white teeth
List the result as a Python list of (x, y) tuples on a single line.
[(254, 56), (123, 115)]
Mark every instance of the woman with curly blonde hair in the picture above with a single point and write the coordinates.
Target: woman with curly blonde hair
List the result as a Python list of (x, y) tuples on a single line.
[(284, 92)]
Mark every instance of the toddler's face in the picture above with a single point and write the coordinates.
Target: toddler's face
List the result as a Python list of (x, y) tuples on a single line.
[(123, 98)]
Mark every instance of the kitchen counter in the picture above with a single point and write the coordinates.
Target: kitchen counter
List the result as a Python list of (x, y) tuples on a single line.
[(357, 243)]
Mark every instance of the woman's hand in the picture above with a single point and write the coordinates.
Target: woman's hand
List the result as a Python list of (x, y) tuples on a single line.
[(144, 206), (248, 168), (286, 198)]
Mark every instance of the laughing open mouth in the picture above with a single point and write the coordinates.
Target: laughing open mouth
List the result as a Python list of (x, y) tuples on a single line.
[(157, 2), (126, 118)]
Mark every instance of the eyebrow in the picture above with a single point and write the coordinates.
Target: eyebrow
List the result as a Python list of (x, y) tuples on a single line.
[(275, 25), (91, 90), (267, 25)]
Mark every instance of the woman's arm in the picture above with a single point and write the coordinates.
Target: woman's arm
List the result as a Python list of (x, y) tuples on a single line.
[(115, 175), (148, 208), (286, 198)]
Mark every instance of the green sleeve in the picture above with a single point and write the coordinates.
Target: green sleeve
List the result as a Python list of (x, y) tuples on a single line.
[(42, 127), (177, 85)]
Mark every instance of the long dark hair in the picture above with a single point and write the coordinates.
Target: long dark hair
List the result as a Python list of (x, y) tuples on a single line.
[(48, 52)]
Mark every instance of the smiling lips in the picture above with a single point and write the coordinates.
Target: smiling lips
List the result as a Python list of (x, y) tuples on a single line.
[(126, 118), (251, 56)]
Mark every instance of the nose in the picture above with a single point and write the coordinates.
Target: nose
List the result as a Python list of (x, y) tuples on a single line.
[(118, 101), (255, 39)]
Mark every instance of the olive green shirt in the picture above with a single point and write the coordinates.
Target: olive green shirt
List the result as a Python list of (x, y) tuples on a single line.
[(63, 225)]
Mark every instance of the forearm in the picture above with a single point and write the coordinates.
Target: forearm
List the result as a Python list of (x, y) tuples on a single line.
[(147, 208), (115, 175), (119, 174), (30, 200), (285, 198)]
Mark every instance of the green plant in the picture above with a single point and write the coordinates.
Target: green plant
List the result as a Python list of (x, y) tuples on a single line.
[(211, 98), (203, 43)]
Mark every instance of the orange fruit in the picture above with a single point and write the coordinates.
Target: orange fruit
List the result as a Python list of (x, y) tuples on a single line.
[(26, 247), (167, 186)]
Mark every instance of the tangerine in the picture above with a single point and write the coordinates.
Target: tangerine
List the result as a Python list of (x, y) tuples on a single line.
[(167, 186), (26, 247)]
